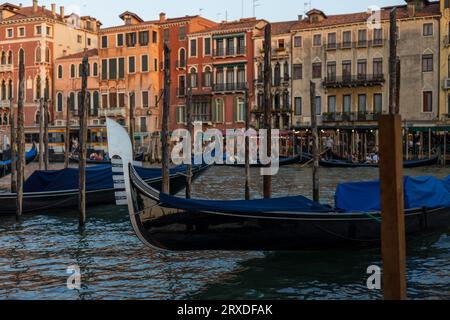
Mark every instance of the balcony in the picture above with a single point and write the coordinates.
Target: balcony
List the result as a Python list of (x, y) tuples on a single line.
[(113, 112), (6, 68), (351, 45), (286, 109), (354, 81), (228, 87), (229, 52), (5, 104), (350, 116)]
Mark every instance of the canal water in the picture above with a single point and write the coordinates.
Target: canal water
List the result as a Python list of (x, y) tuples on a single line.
[(35, 254)]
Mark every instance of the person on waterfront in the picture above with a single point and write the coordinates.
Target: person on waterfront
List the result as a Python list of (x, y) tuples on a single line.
[(329, 144)]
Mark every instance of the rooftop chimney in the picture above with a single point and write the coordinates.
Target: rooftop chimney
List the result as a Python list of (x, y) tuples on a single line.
[(54, 10), (35, 5), (61, 12), (162, 17)]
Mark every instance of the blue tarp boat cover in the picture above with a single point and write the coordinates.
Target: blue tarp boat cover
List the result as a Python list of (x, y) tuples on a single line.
[(287, 204), (420, 192), (97, 178), (447, 183)]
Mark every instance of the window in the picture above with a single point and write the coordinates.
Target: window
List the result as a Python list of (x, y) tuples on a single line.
[(182, 33), (72, 101), (59, 99), (121, 68), (207, 46), (217, 111), (155, 37), (298, 106), (362, 69), (166, 35), (331, 71), (427, 29), (143, 124), (281, 44), (239, 110), (38, 30), (95, 69), (49, 31), (317, 40), (72, 71), (297, 41), (95, 103), (193, 48), (131, 64), (104, 100), (180, 114), (331, 40), (362, 37), (427, 63), (60, 72), (346, 70), (377, 103), (145, 101), (131, 39), (79, 39), (347, 39), (144, 38), (377, 67), (317, 70), (155, 64), (112, 69), (427, 101), (347, 103), (241, 45), (89, 42), (362, 103), (298, 71), (120, 40), (144, 63), (80, 70), (446, 4), (21, 32), (113, 100), (9, 33), (104, 42), (121, 99), (182, 58), (318, 104), (377, 36), (331, 104), (194, 78), (104, 69), (207, 77)]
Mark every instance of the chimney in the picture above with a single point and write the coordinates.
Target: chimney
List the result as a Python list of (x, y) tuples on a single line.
[(35, 5), (54, 10), (162, 17), (61, 12), (411, 9)]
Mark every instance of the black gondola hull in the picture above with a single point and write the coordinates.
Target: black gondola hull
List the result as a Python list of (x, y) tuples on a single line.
[(406, 164)]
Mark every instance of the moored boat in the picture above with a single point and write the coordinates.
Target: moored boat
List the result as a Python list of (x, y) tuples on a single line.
[(5, 166), (406, 163)]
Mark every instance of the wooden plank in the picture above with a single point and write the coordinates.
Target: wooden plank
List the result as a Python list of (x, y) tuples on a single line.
[(267, 179), (165, 122), (315, 140)]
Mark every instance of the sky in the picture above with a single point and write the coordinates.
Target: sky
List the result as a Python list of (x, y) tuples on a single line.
[(107, 11)]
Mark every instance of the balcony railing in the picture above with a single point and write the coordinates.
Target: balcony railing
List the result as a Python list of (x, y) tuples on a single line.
[(6, 68), (350, 116), (222, 87), (229, 52), (113, 112), (352, 44), (6, 104), (354, 80)]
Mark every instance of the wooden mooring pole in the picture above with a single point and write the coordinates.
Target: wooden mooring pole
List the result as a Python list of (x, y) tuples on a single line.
[(132, 121), (267, 179), (20, 139), (247, 145), (445, 148), (41, 133), (13, 148), (190, 130), (46, 142), (391, 175), (67, 135), (165, 122), (83, 140), (315, 144)]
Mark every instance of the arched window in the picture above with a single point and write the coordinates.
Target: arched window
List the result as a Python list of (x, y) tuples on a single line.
[(194, 78), (21, 56), (286, 104), (286, 71), (10, 57), (277, 101), (3, 59), (80, 70), (38, 54), (182, 58), (3, 90), (72, 101), (47, 54), (59, 102), (277, 76), (10, 89), (47, 89), (72, 71), (95, 70), (207, 77), (38, 87), (60, 72)]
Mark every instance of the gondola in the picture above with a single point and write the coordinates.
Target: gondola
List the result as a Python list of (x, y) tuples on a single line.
[(284, 161), (164, 222), (75, 159), (30, 156), (406, 163)]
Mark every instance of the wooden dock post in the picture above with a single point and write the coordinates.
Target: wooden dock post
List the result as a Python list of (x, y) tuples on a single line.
[(41, 133), (445, 148), (46, 142), (67, 135), (165, 122), (267, 179), (13, 147), (392, 193), (429, 143), (83, 140), (20, 139), (190, 130), (247, 144), (315, 139), (132, 121)]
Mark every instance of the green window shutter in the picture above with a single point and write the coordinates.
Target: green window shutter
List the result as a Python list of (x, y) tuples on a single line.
[(221, 111), (213, 111)]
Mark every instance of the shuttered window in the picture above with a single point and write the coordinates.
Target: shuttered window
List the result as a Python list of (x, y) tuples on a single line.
[(121, 68), (104, 69)]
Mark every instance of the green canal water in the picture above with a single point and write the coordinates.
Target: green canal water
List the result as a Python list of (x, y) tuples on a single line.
[(35, 254)]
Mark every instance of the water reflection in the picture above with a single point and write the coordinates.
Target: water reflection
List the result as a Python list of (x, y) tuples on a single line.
[(35, 254)]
